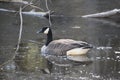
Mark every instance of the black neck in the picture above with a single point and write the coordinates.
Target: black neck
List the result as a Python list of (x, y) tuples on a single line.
[(49, 37)]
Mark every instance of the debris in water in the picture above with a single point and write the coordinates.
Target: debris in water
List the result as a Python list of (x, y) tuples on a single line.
[(96, 76), (102, 47), (98, 58), (119, 72), (108, 57), (118, 57), (76, 27), (117, 52)]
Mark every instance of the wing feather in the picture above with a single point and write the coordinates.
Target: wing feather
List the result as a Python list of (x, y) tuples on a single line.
[(61, 46)]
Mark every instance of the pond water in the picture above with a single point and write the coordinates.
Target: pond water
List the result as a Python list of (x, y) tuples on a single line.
[(104, 34)]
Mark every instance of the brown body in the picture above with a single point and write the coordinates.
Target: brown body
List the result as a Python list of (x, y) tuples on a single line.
[(67, 47)]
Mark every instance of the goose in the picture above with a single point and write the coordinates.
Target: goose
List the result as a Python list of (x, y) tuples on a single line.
[(63, 47)]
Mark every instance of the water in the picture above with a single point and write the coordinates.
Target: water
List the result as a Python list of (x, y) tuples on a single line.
[(102, 33)]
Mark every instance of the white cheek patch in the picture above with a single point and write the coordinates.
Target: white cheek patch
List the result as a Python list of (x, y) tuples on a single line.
[(46, 31)]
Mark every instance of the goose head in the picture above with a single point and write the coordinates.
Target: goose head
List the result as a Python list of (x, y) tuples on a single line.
[(48, 32), (45, 30)]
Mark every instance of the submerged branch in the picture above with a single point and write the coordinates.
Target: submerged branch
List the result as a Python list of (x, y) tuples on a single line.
[(103, 14), (19, 40)]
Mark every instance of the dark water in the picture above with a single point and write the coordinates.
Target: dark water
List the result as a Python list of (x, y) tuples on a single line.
[(104, 34)]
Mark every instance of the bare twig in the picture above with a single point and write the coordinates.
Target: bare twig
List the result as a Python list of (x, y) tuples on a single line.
[(49, 19), (36, 7), (29, 4), (46, 1), (21, 27)]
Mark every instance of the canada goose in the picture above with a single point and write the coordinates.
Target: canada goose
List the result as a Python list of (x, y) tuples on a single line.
[(63, 47)]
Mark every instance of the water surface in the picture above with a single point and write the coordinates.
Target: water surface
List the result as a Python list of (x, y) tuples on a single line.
[(104, 34)]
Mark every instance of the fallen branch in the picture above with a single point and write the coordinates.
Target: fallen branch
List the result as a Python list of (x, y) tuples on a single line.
[(103, 14), (50, 23), (38, 14), (32, 13), (6, 10)]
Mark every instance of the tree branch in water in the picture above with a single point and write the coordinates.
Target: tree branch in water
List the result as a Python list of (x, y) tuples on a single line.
[(103, 14)]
